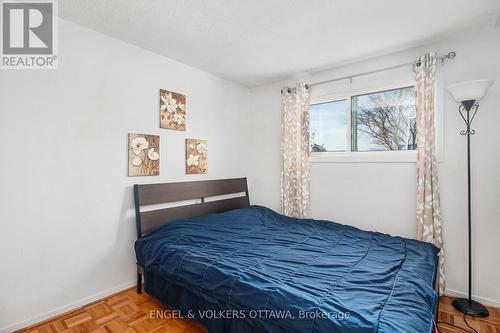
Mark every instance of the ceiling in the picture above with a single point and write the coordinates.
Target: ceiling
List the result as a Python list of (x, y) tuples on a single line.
[(254, 42)]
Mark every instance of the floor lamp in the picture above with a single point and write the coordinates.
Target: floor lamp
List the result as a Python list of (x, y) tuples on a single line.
[(467, 94)]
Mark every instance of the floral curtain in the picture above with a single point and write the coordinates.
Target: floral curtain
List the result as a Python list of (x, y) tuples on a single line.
[(295, 195), (429, 222)]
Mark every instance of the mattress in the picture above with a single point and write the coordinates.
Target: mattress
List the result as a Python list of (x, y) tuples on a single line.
[(255, 270)]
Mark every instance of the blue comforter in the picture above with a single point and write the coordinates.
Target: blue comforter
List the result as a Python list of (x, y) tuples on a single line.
[(281, 274)]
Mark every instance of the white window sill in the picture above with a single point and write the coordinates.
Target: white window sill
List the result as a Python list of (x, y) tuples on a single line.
[(364, 157)]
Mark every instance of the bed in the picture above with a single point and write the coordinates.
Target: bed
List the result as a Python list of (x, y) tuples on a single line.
[(241, 268)]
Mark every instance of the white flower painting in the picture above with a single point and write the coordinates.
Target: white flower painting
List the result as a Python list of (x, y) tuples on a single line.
[(196, 156), (201, 148), (172, 110), (137, 161), (139, 144), (193, 160), (153, 155), (143, 155)]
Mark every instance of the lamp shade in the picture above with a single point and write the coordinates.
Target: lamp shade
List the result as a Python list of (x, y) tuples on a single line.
[(470, 90)]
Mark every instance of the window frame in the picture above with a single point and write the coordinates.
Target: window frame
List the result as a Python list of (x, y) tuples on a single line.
[(349, 156)]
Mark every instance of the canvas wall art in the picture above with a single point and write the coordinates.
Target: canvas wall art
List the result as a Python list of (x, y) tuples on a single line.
[(172, 110), (196, 156), (143, 155)]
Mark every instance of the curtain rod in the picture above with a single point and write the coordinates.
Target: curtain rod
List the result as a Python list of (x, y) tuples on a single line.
[(450, 55)]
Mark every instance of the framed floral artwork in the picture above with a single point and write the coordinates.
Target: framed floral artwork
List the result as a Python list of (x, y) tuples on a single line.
[(172, 110), (196, 156), (143, 155)]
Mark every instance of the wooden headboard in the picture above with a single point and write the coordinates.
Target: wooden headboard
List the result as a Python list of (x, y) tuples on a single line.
[(152, 194)]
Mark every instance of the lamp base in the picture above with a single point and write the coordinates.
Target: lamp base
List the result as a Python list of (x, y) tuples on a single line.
[(472, 308)]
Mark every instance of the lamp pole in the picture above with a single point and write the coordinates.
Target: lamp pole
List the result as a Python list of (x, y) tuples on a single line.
[(469, 306), (467, 94), (469, 210)]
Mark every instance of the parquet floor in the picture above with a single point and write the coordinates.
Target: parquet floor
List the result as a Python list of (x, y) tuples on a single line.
[(447, 313), (124, 312), (128, 312)]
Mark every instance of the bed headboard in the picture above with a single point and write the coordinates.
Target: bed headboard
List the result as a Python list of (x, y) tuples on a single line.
[(152, 194)]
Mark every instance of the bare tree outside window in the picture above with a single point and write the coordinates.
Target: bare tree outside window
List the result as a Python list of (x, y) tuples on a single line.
[(384, 120)]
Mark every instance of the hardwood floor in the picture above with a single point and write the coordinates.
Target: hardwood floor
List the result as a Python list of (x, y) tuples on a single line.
[(128, 312), (125, 312), (447, 313)]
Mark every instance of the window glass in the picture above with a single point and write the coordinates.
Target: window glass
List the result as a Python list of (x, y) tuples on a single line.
[(384, 120), (329, 126)]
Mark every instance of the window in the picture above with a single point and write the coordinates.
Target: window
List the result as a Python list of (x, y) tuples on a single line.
[(328, 126), (384, 120), (378, 121)]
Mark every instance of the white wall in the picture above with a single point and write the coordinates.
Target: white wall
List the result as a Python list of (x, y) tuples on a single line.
[(66, 202), (381, 196)]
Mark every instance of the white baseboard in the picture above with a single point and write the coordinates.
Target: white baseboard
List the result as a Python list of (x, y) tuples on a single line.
[(482, 300), (66, 308)]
